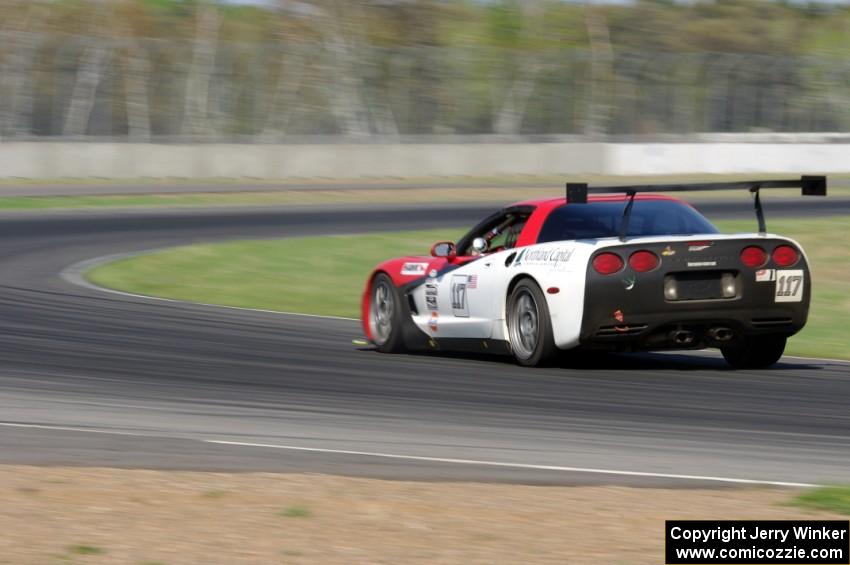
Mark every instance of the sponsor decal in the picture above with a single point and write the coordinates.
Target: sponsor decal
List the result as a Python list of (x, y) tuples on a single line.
[(433, 273), (789, 286), (413, 269), (460, 306), (668, 251), (699, 245), (555, 258), (431, 293), (702, 263), (765, 275), (629, 283), (432, 323)]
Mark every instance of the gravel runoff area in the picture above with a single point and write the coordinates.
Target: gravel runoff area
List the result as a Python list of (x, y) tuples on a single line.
[(78, 515)]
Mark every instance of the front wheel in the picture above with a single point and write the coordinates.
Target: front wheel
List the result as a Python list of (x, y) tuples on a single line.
[(385, 315), (757, 352), (529, 326)]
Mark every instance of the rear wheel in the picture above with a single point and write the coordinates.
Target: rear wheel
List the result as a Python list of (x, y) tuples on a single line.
[(385, 315), (755, 352), (529, 326)]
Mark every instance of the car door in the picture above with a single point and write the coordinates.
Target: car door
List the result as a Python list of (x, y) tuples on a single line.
[(470, 296), (462, 301)]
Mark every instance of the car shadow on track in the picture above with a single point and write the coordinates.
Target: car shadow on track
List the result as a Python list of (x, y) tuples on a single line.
[(671, 361), (605, 361)]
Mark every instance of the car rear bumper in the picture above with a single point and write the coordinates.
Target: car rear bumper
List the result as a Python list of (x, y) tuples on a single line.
[(694, 329), (629, 311)]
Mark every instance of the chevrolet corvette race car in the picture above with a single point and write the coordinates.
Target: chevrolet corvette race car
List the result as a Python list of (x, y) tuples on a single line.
[(621, 270)]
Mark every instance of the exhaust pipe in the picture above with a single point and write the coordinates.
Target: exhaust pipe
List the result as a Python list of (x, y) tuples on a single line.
[(720, 334), (682, 337)]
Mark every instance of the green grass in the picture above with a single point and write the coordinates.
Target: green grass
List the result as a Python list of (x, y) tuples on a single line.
[(832, 499), (274, 198), (296, 511), (85, 550), (442, 190), (325, 275), (313, 275)]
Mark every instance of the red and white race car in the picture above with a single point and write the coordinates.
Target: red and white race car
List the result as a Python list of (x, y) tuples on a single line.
[(624, 271)]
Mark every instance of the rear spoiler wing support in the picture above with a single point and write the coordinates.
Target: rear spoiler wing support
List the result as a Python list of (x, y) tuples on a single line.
[(808, 185)]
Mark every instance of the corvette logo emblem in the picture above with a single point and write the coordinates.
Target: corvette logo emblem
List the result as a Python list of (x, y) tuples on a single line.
[(668, 251), (699, 245)]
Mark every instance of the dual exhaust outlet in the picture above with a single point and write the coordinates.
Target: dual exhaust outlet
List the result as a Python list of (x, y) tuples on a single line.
[(686, 337)]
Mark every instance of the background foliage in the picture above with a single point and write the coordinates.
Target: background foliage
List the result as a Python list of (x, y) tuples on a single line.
[(189, 68)]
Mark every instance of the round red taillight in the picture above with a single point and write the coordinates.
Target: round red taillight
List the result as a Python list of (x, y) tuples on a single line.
[(753, 257), (785, 256), (607, 263), (643, 261)]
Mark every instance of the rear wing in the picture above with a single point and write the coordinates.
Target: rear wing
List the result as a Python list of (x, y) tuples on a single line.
[(808, 185)]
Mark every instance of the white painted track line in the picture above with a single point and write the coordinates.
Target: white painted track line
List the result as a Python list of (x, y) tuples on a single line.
[(422, 458), (518, 465)]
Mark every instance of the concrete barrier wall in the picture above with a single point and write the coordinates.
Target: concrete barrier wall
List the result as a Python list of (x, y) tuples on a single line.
[(659, 158), (47, 160)]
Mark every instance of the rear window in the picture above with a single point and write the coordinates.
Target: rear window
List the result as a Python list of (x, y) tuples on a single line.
[(595, 220)]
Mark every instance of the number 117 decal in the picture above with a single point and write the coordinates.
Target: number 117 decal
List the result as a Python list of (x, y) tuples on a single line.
[(789, 286)]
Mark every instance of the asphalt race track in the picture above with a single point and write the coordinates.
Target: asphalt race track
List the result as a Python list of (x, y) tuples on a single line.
[(98, 379)]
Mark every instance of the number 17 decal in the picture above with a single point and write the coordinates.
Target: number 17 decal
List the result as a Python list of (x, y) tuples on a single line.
[(460, 307), (789, 286)]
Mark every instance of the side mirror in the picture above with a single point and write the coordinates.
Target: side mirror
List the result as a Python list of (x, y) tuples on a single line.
[(444, 249)]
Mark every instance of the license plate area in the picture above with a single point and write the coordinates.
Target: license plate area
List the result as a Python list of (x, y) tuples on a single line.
[(701, 285)]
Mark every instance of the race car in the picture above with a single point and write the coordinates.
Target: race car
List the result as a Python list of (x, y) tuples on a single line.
[(621, 269)]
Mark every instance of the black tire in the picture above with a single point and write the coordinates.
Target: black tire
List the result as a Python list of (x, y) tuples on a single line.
[(757, 352), (529, 326), (385, 315)]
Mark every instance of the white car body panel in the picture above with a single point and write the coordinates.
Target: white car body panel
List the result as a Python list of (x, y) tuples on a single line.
[(471, 300)]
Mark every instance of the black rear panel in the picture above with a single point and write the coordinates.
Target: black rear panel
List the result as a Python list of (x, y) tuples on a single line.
[(698, 285), (700, 294)]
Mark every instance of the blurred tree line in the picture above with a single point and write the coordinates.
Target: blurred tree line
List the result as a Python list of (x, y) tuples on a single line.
[(197, 69)]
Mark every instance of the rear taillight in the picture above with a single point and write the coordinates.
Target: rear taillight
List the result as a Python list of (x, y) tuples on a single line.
[(753, 257), (607, 263), (643, 261), (785, 256)]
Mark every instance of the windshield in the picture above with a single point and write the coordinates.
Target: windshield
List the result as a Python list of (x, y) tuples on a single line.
[(596, 220)]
